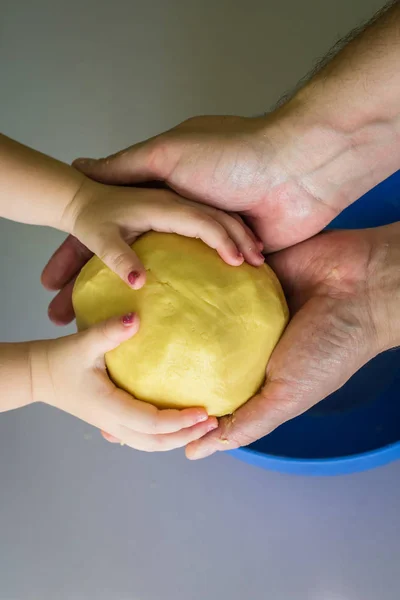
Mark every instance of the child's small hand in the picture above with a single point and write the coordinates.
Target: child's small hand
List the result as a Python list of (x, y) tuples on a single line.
[(69, 373), (107, 219)]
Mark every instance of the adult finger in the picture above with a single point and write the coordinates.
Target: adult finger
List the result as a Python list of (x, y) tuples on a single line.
[(65, 263), (135, 164), (61, 310)]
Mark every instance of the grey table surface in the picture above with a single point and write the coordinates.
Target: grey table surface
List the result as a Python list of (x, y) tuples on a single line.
[(81, 519)]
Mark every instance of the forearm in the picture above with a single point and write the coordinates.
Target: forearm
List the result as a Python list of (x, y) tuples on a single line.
[(15, 375), (343, 125), (35, 188)]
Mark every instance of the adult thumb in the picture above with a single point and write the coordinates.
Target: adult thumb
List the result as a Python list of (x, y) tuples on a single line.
[(107, 335), (131, 165)]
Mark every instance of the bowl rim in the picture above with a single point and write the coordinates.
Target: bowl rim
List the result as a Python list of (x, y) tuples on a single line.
[(351, 463)]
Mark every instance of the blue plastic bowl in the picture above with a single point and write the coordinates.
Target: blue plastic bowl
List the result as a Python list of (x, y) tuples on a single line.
[(357, 427)]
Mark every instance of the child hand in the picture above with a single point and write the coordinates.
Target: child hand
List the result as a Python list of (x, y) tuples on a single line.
[(107, 219), (70, 374)]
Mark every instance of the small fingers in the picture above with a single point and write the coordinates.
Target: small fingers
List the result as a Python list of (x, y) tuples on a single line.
[(190, 220), (107, 335), (65, 263), (205, 227), (258, 243), (61, 310), (225, 232), (241, 235), (164, 442), (145, 418), (240, 429)]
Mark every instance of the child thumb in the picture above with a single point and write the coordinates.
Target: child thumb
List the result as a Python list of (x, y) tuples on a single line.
[(107, 335)]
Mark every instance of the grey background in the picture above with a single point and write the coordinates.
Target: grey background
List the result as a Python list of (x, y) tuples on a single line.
[(81, 519)]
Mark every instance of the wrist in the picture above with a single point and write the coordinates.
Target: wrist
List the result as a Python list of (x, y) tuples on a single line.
[(40, 375), (383, 283), (15, 375), (337, 160), (82, 194)]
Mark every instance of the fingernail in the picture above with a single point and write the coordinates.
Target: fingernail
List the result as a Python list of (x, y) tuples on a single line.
[(240, 256), (261, 255), (128, 319), (133, 277)]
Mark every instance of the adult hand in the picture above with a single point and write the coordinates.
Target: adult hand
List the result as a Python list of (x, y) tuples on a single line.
[(290, 172), (286, 179), (343, 289)]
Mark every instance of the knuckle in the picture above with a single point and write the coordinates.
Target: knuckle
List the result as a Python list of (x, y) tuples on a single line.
[(155, 421), (236, 217), (150, 443), (157, 154), (235, 441), (118, 261), (209, 221), (228, 435), (205, 221), (343, 331), (224, 236), (88, 340), (106, 330), (236, 227)]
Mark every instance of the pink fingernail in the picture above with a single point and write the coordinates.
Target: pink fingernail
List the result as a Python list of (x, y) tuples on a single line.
[(260, 255), (240, 255), (128, 319), (133, 277)]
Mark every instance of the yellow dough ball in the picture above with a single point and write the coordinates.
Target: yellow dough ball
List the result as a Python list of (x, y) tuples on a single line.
[(206, 331)]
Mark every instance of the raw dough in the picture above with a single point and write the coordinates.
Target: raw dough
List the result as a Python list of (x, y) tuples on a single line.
[(207, 329)]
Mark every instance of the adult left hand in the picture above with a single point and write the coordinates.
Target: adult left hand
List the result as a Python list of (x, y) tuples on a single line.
[(343, 289)]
